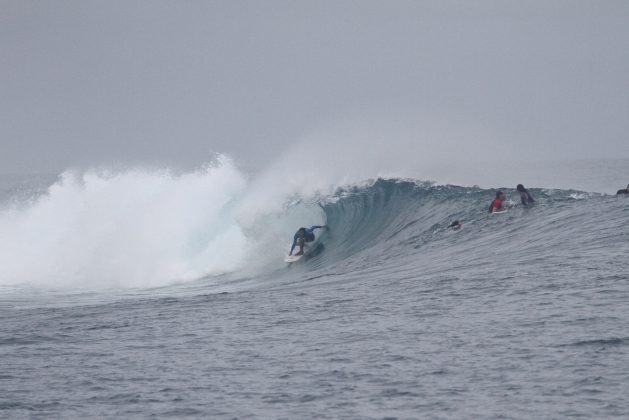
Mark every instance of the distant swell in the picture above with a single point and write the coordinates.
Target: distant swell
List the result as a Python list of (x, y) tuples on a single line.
[(602, 342)]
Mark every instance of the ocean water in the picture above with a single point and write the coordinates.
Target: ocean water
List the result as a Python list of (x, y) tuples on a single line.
[(153, 293)]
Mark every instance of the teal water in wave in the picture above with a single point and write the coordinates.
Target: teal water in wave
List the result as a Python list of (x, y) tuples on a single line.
[(518, 315)]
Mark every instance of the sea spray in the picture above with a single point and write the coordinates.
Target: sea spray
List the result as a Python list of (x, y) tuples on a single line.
[(136, 228)]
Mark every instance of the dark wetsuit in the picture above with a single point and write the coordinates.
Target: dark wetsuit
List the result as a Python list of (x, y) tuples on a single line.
[(622, 192), (526, 198), (308, 236)]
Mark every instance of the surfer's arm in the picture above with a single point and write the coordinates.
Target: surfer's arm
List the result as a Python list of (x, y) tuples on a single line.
[(317, 227), (292, 248)]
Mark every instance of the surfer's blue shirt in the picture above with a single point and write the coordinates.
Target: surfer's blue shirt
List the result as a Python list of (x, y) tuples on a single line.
[(308, 236)]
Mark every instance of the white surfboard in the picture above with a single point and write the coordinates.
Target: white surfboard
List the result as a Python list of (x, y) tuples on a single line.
[(499, 212), (292, 258)]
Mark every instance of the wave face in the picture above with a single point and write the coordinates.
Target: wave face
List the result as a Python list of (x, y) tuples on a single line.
[(144, 229), (398, 229)]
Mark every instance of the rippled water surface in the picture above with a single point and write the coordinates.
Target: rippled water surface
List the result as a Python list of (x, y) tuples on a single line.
[(520, 315)]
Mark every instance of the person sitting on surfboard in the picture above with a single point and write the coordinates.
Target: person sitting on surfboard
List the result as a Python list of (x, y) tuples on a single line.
[(302, 236), (496, 205), (524, 195)]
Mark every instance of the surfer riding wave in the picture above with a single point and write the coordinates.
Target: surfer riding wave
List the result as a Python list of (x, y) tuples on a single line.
[(302, 236)]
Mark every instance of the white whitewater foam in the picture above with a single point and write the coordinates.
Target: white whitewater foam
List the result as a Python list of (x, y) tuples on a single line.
[(140, 228)]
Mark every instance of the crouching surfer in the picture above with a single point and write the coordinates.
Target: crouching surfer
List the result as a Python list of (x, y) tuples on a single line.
[(302, 236)]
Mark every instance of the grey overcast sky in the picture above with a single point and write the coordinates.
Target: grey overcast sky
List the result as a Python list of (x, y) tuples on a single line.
[(93, 82)]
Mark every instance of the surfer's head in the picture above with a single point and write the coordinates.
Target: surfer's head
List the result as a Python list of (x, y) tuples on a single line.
[(520, 188), (500, 195)]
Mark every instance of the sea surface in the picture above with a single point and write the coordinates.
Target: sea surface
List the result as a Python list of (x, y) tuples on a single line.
[(391, 315)]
